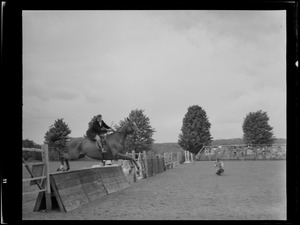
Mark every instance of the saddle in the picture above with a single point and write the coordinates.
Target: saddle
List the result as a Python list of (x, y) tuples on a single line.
[(102, 139)]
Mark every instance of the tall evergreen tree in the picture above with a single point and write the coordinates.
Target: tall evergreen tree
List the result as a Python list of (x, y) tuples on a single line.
[(256, 129), (195, 130), (143, 140), (58, 129)]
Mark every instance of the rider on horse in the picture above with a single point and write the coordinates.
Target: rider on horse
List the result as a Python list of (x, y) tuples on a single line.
[(97, 129)]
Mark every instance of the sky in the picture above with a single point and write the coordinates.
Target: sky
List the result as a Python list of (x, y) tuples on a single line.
[(77, 64)]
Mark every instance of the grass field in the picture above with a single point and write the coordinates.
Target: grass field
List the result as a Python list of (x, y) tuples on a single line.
[(248, 190)]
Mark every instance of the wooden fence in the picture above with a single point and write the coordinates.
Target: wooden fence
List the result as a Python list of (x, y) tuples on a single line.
[(152, 164), (39, 173)]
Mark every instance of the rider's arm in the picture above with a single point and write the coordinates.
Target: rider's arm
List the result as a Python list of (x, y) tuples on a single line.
[(105, 125)]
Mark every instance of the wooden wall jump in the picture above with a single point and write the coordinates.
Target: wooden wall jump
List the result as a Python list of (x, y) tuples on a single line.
[(75, 188)]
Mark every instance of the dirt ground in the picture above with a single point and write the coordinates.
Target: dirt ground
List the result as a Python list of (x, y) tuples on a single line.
[(248, 190)]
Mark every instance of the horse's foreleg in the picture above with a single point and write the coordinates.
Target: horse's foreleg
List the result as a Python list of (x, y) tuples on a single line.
[(126, 157)]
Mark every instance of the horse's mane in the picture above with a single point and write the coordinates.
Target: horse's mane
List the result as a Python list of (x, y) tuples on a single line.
[(126, 122)]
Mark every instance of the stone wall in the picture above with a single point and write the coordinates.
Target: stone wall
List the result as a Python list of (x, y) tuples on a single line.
[(243, 152)]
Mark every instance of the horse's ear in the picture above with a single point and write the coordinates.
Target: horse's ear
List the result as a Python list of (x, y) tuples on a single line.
[(128, 119)]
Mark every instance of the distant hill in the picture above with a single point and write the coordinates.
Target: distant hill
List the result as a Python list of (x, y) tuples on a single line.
[(233, 141), (160, 148), (239, 141)]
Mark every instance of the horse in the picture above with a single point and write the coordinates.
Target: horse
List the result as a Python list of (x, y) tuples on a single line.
[(79, 147)]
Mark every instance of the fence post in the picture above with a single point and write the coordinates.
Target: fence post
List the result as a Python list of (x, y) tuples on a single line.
[(161, 163), (157, 163), (153, 162), (139, 158), (181, 158), (133, 154), (165, 160), (48, 188), (134, 168), (146, 163), (142, 169)]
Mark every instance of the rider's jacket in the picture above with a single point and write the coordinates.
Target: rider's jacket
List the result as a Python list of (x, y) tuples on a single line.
[(219, 165), (96, 128)]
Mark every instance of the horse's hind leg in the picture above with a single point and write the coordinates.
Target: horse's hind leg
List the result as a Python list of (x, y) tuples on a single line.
[(126, 157), (67, 164), (64, 164), (61, 167)]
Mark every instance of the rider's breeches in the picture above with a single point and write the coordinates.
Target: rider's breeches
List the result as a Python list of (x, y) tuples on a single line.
[(98, 139)]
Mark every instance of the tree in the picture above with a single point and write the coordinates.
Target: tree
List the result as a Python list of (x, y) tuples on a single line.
[(195, 130), (30, 144), (31, 155), (141, 141), (256, 129), (58, 129)]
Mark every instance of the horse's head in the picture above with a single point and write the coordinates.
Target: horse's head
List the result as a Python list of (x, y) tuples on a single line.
[(133, 126)]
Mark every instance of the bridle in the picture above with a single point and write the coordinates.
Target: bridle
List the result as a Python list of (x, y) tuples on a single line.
[(131, 126)]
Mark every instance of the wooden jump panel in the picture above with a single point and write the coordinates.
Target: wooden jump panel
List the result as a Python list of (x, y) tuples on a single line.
[(113, 178), (69, 190), (75, 188), (150, 166)]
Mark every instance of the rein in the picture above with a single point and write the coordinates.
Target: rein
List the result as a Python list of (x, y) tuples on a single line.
[(123, 132)]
